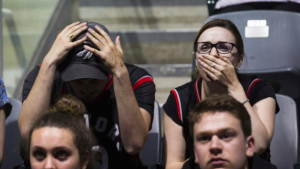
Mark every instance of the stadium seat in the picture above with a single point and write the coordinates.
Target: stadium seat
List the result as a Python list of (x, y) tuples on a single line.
[(271, 42), (11, 154), (151, 154), (285, 143)]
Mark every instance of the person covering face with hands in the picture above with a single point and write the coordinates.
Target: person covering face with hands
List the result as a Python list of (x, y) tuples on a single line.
[(119, 97), (218, 52)]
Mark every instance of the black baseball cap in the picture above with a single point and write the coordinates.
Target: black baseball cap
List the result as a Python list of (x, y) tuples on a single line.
[(82, 64)]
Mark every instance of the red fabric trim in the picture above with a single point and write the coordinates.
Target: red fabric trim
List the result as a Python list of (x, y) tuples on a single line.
[(251, 85), (198, 93), (142, 81), (110, 82), (40, 65), (177, 103)]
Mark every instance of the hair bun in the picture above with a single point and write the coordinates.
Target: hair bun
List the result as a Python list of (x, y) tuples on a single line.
[(68, 104)]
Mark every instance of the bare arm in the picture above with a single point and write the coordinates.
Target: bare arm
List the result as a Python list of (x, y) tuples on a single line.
[(2, 134), (262, 119), (174, 143), (39, 97), (134, 121)]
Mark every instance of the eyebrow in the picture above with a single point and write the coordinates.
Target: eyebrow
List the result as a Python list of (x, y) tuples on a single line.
[(37, 147), (212, 43), (217, 132), (62, 148), (55, 149)]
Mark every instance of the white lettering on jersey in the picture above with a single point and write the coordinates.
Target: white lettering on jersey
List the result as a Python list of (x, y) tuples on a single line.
[(113, 133), (104, 156), (87, 121), (101, 124)]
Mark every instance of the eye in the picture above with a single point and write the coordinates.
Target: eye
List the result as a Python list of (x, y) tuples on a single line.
[(61, 155), (39, 155), (205, 46), (223, 47), (203, 139), (227, 136)]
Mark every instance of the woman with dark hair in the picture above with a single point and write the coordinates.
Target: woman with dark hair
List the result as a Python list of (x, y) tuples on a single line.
[(60, 138), (218, 53)]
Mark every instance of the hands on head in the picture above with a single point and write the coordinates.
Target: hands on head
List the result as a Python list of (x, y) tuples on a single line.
[(111, 54)]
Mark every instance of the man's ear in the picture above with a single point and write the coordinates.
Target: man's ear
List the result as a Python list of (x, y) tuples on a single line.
[(196, 157), (250, 146)]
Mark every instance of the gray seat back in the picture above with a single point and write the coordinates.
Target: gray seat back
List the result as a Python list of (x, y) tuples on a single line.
[(152, 151), (11, 154), (285, 142), (276, 57)]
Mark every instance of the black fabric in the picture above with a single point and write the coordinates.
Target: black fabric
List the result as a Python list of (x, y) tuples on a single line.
[(7, 109), (254, 163), (260, 90), (103, 115), (281, 6)]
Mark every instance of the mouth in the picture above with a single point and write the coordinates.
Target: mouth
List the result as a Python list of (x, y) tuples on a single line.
[(217, 161)]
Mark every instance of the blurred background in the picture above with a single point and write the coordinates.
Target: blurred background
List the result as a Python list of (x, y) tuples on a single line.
[(155, 35)]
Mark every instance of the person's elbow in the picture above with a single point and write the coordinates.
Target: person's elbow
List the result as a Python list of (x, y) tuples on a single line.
[(261, 146), (135, 145)]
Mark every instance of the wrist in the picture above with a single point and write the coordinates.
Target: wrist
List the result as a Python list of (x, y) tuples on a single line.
[(120, 71), (235, 87), (50, 64)]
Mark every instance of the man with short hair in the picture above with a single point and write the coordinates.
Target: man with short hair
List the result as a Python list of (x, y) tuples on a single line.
[(221, 128), (84, 62)]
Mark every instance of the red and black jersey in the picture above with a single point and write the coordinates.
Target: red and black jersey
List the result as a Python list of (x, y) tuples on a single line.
[(102, 115), (183, 98)]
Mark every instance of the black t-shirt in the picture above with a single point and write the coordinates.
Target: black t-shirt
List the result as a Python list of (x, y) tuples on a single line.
[(102, 115), (183, 98), (254, 162)]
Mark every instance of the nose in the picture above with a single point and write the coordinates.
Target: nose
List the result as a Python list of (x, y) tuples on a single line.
[(214, 52), (49, 163), (215, 146)]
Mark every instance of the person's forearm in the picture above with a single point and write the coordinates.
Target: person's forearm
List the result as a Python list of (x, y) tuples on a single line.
[(39, 97), (259, 130), (175, 165), (133, 128), (2, 134)]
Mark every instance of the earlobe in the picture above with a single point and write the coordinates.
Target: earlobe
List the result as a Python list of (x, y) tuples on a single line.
[(239, 64), (194, 54), (250, 146)]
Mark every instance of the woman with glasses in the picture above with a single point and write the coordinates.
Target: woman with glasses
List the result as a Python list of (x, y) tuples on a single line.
[(218, 53)]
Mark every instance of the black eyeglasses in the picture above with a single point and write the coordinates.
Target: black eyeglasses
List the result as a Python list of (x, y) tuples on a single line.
[(222, 47)]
